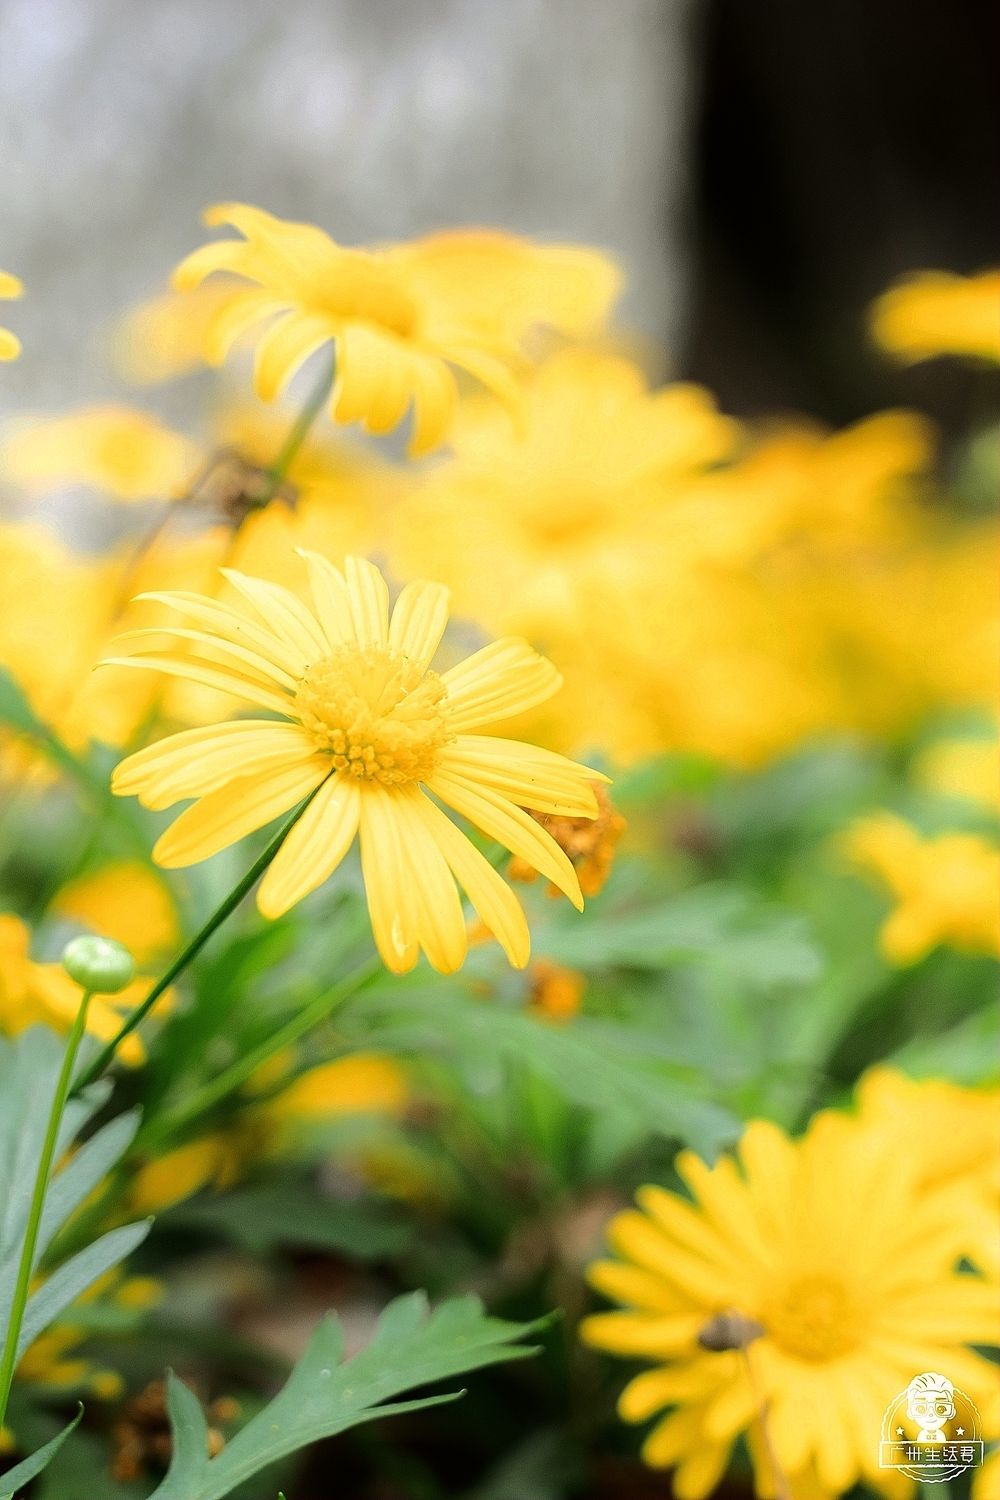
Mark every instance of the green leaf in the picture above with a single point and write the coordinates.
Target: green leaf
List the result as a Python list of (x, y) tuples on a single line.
[(722, 925), (605, 1067), (28, 1070), (261, 1218), (29, 1468), (324, 1397), (74, 1277)]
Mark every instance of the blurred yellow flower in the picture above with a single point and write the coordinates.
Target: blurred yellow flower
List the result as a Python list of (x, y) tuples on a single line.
[(10, 289), (945, 887), (518, 519), (211, 1161), (118, 450), (935, 312), (808, 1285), (402, 318), (33, 993), (953, 1134), (127, 901), (363, 1083), (164, 337), (968, 768), (369, 723)]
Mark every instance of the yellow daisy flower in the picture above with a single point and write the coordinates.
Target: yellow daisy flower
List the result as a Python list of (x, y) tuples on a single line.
[(808, 1283), (402, 318), (935, 312), (10, 289), (164, 336), (33, 993), (365, 725), (594, 473), (115, 449), (953, 1133), (945, 887)]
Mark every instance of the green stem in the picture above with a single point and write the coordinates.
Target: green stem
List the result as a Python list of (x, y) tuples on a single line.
[(235, 1076), (194, 947), (8, 1362), (297, 435)]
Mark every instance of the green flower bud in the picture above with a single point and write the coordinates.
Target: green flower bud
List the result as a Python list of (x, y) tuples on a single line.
[(98, 964)]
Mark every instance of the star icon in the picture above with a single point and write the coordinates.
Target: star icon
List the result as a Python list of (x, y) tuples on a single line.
[(899, 1432), (960, 1431)]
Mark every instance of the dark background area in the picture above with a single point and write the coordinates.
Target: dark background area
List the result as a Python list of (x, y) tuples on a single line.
[(836, 146)]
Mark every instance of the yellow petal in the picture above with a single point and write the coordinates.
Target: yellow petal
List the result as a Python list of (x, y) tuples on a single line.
[(229, 814), (10, 345), (510, 826), (418, 621), (198, 761), (443, 935), (212, 677), (224, 619), (501, 680), (525, 775), (369, 596), (388, 884), (219, 651), (489, 893), (281, 612), (284, 348), (331, 598), (314, 848)]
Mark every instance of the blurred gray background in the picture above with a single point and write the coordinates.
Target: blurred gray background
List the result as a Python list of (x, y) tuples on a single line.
[(121, 119)]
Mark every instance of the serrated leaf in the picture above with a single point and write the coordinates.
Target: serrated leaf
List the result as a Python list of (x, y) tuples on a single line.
[(30, 1468), (324, 1397)]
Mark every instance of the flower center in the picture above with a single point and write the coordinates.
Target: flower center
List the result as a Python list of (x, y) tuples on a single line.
[(813, 1317), (378, 716)]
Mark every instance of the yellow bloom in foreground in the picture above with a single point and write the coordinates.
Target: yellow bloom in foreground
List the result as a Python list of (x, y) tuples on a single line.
[(953, 1134), (969, 769), (403, 318), (844, 1267), (365, 725), (33, 994), (116, 449), (935, 312), (10, 289), (946, 888)]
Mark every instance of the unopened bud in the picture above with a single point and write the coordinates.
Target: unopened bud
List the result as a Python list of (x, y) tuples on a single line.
[(99, 965)]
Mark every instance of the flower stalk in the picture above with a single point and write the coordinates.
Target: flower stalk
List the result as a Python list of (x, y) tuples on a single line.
[(193, 948)]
